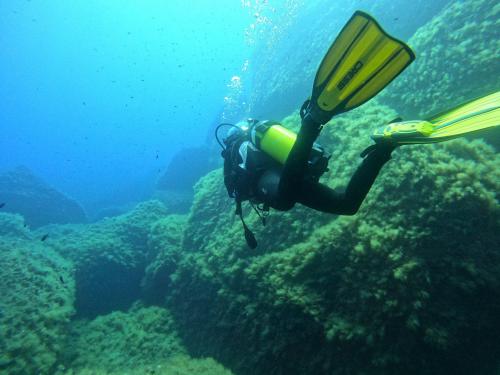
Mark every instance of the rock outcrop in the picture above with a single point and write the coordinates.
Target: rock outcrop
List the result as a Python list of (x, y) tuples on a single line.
[(403, 276), (24, 193)]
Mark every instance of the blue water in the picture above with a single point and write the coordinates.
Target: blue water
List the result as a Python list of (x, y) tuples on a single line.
[(98, 96)]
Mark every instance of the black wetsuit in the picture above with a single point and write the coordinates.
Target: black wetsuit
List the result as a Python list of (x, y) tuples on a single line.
[(281, 188)]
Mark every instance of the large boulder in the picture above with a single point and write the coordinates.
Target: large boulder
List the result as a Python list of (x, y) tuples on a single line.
[(404, 276), (24, 193), (164, 254), (110, 258), (175, 186), (37, 292), (457, 60), (289, 49), (185, 168), (140, 341)]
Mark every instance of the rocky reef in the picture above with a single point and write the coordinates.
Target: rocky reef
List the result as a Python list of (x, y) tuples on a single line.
[(175, 186), (61, 282), (409, 285), (165, 253), (289, 53), (143, 341), (37, 301), (405, 275), (415, 271), (110, 258), (457, 60), (24, 193)]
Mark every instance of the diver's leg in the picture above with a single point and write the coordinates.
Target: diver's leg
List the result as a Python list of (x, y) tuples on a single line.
[(295, 167), (267, 190), (322, 198)]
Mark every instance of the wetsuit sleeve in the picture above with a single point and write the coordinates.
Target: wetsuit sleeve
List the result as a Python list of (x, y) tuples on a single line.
[(293, 187), (322, 198)]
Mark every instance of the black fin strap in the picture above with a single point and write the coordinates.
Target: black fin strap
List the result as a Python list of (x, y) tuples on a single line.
[(382, 147), (367, 150), (303, 109), (249, 236)]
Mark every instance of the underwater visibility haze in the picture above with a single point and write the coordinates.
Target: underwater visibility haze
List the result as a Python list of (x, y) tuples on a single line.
[(153, 222), (97, 97)]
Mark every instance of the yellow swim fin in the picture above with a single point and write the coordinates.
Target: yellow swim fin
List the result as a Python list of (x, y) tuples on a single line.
[(362, 60), (475, 115)]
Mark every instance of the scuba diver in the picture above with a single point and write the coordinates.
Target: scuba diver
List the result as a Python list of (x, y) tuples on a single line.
[(272, 167)]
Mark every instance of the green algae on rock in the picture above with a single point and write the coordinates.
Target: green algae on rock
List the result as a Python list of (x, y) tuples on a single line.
[(143, 340), (457, 60), (404, 275), (110, 258), (37, 294), (164, 244), (13, 225), (123, 340), (39, 203)]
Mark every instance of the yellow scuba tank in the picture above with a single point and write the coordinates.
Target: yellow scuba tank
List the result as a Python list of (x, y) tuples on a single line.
[(273, 139), (277, 141)]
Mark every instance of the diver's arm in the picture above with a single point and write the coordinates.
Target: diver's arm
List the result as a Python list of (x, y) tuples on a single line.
[(322, 198)]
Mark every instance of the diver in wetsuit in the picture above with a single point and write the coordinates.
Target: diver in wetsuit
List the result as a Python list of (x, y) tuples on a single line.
[(252, 175), (270, 166), (293, 188)]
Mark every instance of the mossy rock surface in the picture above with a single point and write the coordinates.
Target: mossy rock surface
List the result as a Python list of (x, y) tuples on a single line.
[(37, 292), (165, 252), (14, 226), (177, 365), (143, 340), (404, 276), (457, 60), (110, 257)]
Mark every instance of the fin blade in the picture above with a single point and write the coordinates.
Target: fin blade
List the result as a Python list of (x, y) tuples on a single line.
[(362, 60), (474, 105), (473, 116)]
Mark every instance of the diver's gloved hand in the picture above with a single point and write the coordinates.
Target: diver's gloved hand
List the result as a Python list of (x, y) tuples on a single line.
[(382, 148)]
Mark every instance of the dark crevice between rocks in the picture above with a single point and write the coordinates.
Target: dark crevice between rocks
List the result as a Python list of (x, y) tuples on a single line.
[(106, 287)]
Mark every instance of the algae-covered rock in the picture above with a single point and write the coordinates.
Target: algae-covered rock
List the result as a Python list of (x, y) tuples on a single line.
[(13, 225), (37, 293), (297, 36), (165, 252), (140, 341), (110, 258), (185, 365), (185, 168), (457, 59), (124, 340), (394, 289), (24, 193)]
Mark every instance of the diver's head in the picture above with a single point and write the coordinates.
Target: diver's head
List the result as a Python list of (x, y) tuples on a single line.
[(240, 129)]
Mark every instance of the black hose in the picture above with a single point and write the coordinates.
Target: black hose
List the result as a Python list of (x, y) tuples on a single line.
[(217, 132)]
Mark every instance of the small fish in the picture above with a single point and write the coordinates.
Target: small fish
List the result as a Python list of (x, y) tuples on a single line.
[(2, 205), (44, 237), (61, 279), (396, 18)]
